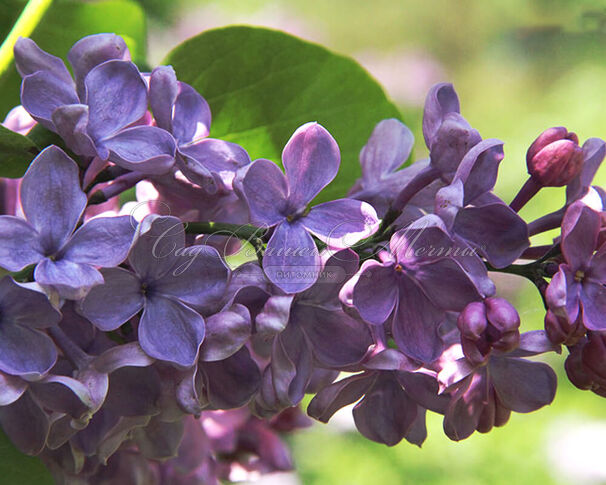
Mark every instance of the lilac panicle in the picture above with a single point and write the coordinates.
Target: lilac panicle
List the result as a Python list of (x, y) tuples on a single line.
[(311, 159)]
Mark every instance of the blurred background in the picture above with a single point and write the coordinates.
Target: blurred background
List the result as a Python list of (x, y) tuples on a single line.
[(519, 67)]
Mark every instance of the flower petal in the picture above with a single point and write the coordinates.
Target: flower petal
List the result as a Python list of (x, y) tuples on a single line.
[(114, 302), (145, 149), (51, 197), (92, 50), (387, 149), (25, 306), (593, 299), (522, 385), (226, 333), (29, 59), (25, 352), (341, 223), (42, 93), (26, 424), (580, 228), (11, 389), (19, 244), (71, 123), (157, 242), (376, 292), (324, 327), (71, 280), (163, 91), (441, 100), (102, 241), (266, 191), (199, 278), (171, 331), (496, 231), (479, 167), (311, 160), (191, 115), (338, 395), (116, 96), (416, 322)]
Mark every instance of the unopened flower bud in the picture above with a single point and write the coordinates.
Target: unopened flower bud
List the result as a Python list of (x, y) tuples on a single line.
[(502, 315), (555, 157), (472, 320), (560, 331), (594, 355)]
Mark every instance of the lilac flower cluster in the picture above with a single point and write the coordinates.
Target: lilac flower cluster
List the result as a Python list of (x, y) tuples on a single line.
[(171, 340)]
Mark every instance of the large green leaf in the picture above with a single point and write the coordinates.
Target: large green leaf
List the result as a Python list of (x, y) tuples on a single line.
[(16, 151), (262, 84), (64, 23), (19, 469)]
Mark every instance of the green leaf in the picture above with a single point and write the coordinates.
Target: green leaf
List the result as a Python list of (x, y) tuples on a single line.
[(16, 151), (17, 468), (64, 23), (262, 84)]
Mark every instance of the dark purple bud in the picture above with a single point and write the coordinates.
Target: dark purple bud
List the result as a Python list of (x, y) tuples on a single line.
[(594, 355), (554, 158), (502, 314), (575, 370), (560, 331), (472, 320)]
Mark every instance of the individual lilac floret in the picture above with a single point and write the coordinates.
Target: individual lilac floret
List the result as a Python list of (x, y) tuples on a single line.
[(421, 278), (95, 114), (53, 203), (24, 349), (474, 215), (586, 363), (179, 109), (484, 396), (311, 160), (169, 283), (387, 149), (577, 290)]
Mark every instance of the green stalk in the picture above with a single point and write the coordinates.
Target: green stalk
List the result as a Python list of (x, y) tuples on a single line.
[(26, 23)]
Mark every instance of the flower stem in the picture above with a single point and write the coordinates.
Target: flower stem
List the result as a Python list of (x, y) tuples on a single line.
[(24, 26), (527, 192)]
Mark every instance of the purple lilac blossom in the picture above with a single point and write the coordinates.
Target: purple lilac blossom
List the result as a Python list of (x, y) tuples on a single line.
[(311, 159), (66, 258)]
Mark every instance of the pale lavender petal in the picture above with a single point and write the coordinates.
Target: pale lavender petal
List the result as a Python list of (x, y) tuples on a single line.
[(454, 138), (26, 424), (71, 280), (191, 115), (226, 333), (341, 223), (521, 385), (29, 59), (51, 197), (19, 244), (25, 352), (580, 228), (496, 231), (102, 241), (594, 150), (155, 250), (145, 149), (163, 91), (114, 302), (42, 93), (71, 123), (211, 157), (291, 260), (593, 299), (116, 96), (92, 50), (199, 277), (126, 355), (376, 292), (311, 160), (387, 149), (171, 331), (266, 191), (416, 322), (274, 316), (441, 100)]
